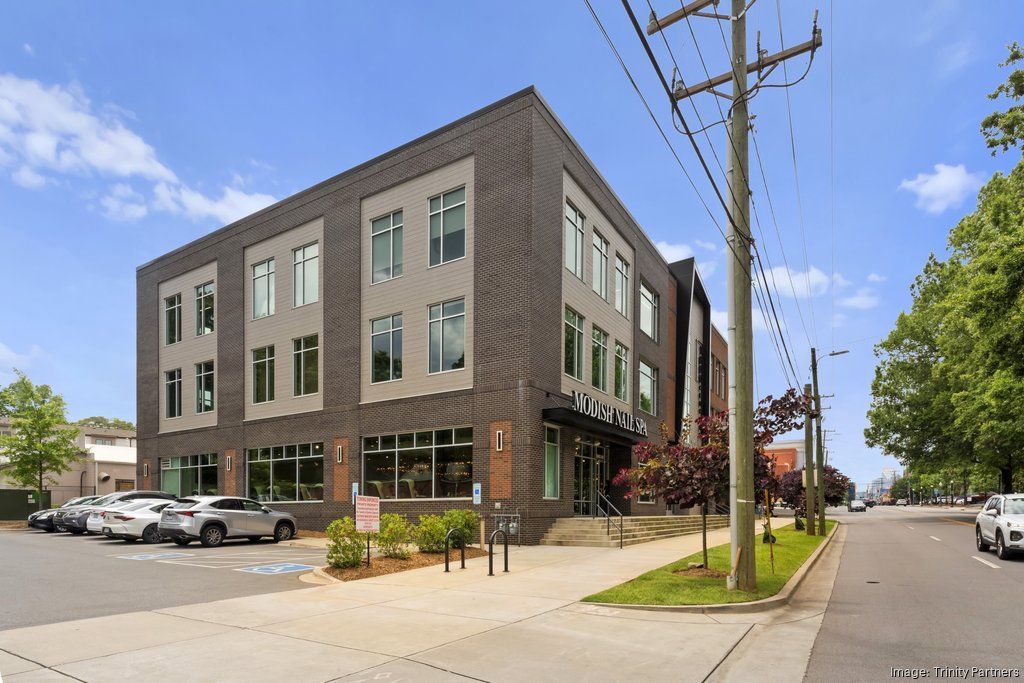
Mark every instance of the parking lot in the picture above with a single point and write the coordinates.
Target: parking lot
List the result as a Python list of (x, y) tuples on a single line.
[(57, 577)]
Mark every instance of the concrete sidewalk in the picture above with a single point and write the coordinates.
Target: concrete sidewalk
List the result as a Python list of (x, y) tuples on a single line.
[(423, 625)]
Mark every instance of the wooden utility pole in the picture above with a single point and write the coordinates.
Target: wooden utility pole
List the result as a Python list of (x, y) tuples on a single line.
[(810, 495), (819, 477)]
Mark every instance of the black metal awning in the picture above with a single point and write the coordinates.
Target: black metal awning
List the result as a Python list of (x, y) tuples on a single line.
[(567, 416)]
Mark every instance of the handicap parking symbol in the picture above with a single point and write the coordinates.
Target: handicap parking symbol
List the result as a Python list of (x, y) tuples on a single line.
[(279, 568), (153, 556)]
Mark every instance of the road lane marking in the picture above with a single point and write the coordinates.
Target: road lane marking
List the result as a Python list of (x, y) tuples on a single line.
[(958, 521), (986, 562), (910, 527), (935, 539)]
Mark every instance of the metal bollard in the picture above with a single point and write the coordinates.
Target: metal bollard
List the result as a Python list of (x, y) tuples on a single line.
[(447, 539), (490, 551)]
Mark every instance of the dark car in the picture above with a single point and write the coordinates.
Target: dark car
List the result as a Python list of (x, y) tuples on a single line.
[(74, 519), (870, 502), (43, 519)]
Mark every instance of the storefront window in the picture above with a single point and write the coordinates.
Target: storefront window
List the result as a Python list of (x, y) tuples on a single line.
[(552, 462), (431, 464), (190, 475), (286, 473)]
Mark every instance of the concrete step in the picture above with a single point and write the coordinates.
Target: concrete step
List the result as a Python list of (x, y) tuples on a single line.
[(595, 532)]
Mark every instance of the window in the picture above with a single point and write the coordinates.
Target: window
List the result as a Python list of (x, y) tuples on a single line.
[(306, 363), (448, 226), (386, 247), (447, 336), (263, 289), (574, 240), (190, 475), (263, 374), (573, 344), (552, 462), (172, 319), (648, 311), (293, 473), (204, 309), (102, 441), (621, 372), (622, 293), (429, 464), (172, 393), (599, 359), (599, 270), (306, 274), (648, 388), (204, 387), (386, 348), (687, 380)]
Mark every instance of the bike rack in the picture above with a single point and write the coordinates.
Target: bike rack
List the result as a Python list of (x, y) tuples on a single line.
[(462, 547), (490, 551)]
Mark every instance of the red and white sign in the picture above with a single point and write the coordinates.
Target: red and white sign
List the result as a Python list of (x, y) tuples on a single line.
[(367, 513)]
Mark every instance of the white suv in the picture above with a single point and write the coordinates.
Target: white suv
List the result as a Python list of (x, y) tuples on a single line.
[(1001, 523)]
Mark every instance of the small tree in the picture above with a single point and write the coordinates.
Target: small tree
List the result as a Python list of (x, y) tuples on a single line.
[(41, 445), (791, 488)]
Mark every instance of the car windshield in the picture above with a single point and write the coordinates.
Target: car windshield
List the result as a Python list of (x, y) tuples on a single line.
[(110, 498), (1013, 506)]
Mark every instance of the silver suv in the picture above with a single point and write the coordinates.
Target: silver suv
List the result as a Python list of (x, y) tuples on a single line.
[(211, 519)]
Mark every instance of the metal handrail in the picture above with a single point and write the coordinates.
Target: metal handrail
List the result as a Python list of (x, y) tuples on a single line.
[(608, 516), (490, 551), (462, 546)]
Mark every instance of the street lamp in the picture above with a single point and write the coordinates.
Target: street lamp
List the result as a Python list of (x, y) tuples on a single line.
[(839, 353)]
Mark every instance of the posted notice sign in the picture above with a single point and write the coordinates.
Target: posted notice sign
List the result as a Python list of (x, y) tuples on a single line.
[(367, 513)]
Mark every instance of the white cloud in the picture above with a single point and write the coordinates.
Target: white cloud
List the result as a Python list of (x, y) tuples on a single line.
[(703, 244), (864, 299), (29, 50), (674, 252), (839, 282), (838, 319), (805, 284), (11, 359), (875, 277), (55, 130), (707, 268), (947, 187), (720, 319), (124, 204), (953, 57)]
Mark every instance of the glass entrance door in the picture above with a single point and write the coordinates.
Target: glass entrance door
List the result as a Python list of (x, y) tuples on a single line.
[(589, 474)]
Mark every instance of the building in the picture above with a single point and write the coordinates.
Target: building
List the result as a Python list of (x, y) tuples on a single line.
[(475, 306), (108, 464), (789, 455), (719, 372)]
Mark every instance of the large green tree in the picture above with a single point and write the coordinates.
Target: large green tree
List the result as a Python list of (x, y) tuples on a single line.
[(41, 445), (106, 423)]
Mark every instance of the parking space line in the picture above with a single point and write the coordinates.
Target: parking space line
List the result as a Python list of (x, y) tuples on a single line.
[(986, 562), (910, 527), (935, 539)]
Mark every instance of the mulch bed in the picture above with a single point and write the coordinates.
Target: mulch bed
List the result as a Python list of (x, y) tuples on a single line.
[(701, 572), (380, 566), (15, 524), (306, 533)]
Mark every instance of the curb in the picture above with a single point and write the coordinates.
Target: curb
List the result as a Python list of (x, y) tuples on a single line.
[(780, 599), (323, 578)]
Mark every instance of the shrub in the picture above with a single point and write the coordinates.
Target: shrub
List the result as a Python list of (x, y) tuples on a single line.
[(430, 534), (345, 545), (395, 534), (466, 521)]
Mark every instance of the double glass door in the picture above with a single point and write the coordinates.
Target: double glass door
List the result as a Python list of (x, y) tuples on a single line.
[(589, 475)]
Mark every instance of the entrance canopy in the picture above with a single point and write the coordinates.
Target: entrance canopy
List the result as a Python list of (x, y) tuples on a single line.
[(572, 418)]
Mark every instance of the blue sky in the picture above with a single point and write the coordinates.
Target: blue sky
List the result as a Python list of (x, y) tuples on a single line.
[(127, 129)]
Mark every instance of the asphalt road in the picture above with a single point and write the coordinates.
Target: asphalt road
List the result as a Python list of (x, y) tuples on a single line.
[(47, 578), (914, 592)]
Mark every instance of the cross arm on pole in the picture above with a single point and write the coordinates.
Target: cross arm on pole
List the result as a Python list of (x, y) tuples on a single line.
[(656, 24)]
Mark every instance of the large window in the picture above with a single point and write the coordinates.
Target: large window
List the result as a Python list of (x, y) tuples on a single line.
[(573, 344), (622, 293), (263, 289), (386, 247), (648, 311), (574, 240), (263, 374), (189, 475), (172, 319), (386, 347), (172, 393), (648, 388), (429, 464), (599, 359), (204, 309), (306, 365), (621, 372), (599, 270), (448, 226), (306, 270), (286, 473), (447, 336), (204, 387), (552, 462)]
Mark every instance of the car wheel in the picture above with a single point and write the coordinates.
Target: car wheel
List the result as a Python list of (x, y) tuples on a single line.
[(283, 532), (212, 536), (1001, 550), (182, 541), (982, 546), (151, 534)]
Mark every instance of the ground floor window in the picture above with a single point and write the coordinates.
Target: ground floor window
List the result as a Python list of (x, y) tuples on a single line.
[(428, 464), (286, 473), (552, 462), (189, 475)]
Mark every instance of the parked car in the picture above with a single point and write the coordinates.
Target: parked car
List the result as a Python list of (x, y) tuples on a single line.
[(138, 519), (869, 502), (902, 501), (43, 519), (1001, 523), (75, 518), (94, 523), (857, 506), (211, 519)]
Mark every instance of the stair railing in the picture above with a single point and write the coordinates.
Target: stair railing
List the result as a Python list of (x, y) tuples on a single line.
[(601, 498)]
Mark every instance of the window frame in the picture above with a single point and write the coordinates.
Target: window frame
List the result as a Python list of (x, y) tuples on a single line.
[(204, 303), (653, 376), (627, 378), (622, 293), (390, 231), (172, 310), (390, 332), (599, 349), (205, 380), (433, 446), (441, 320), (654, 300), (442, 211), (299, 364), (304, 263), (270, 279), (297, 459), (578, 327), (599, 266), (168, 382), (578, 224), (557, 443), (207, 461), (269, 363)]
